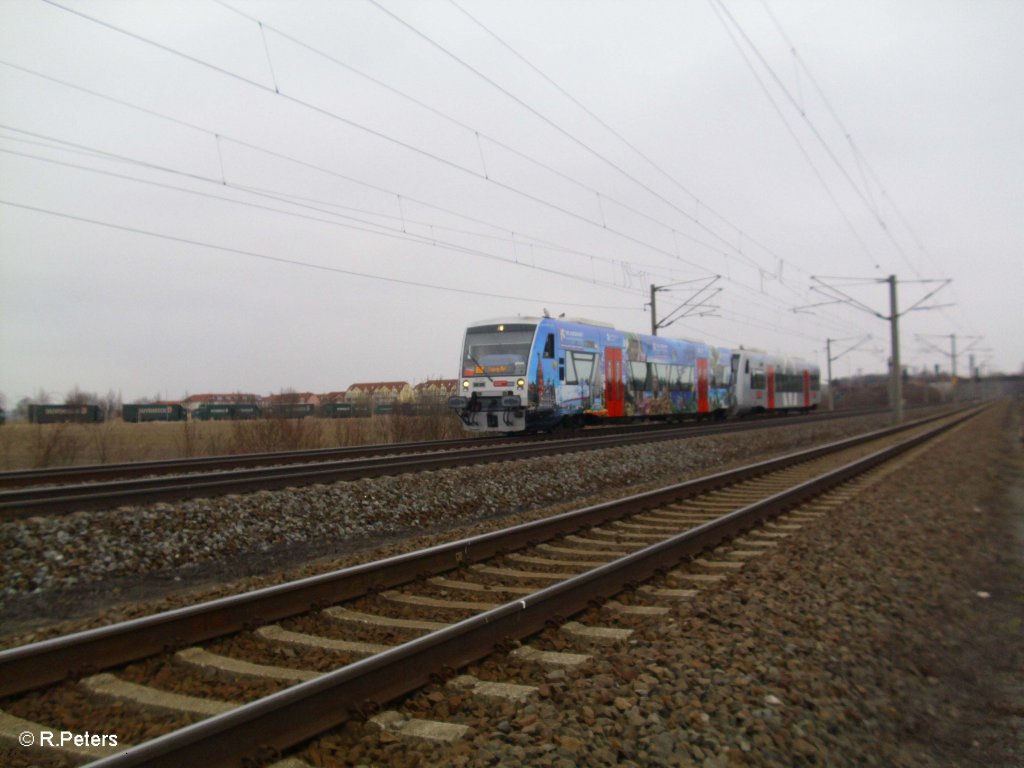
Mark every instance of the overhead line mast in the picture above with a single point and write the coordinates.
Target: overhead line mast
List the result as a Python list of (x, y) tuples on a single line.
[(689, 307), (895, 370)]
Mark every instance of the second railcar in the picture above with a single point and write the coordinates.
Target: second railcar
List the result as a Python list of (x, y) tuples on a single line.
[(767, 382), (527, 374)]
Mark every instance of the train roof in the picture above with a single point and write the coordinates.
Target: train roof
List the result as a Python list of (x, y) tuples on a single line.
[(505, 320), (537, 320), (760, 354)]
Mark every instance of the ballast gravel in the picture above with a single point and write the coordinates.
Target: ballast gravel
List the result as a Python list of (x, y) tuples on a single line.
[(43, 554), (887, 633)]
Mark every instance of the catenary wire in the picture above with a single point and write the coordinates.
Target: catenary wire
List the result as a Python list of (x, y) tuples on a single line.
[(821, 139), (380, 135), (862, 161), (247, 144), (548, 121), (800, 145), (368, 227), (619, 136), (480, 136), (530, 239), (344, 120), (291, 262)]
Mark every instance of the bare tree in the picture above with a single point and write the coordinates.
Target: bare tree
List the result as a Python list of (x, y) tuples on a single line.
[(21, 408), (289, 396), (112, 403), (77, 397)]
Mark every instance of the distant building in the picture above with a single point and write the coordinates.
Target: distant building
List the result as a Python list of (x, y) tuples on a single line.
[(290, 398), (434, 391), (380, 393), (333, 397)]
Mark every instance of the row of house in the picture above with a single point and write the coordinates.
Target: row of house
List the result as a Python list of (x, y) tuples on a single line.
[(371, 395)]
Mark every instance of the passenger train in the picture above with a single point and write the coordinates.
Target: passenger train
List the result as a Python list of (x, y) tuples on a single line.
[(534, 374)]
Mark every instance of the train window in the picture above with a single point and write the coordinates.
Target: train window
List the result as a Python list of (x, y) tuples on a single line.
[(549, 347), (638, 373), (490, 351), (684, 375), (676, 384), (746, 365), (661, 375), (757, 380), (580, 367)]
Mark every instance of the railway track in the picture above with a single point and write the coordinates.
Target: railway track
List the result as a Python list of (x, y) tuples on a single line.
[(322, 650), (36, 492), (106, 472)]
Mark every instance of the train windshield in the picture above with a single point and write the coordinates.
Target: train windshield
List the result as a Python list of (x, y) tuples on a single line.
[(497, 350)]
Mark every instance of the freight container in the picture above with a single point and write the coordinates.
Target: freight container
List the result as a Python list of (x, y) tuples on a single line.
[(212, 412), (336, 410), (52, 414), (291, 410), (243, 411), (138, 412)]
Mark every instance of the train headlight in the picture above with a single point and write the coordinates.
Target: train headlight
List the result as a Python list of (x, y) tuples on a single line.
[(520, 383), (465, 383)]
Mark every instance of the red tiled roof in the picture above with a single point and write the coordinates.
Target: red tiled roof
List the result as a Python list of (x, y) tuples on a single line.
[(437, 384), (376, 386), (291, 397), (231, 397)]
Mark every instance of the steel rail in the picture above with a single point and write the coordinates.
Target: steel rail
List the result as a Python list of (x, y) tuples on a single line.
[(51, 475), (49, 661), (19, 478), (284, 719), (54, 499)]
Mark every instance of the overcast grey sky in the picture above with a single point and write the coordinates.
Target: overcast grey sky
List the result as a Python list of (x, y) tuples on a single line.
[(256, 195)]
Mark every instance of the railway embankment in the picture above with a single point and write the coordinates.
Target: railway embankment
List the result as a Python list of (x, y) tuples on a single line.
[(885, 630), (887, 633), (84, 562)]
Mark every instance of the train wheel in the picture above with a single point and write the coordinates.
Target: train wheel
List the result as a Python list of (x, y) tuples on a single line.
[(572, 423)]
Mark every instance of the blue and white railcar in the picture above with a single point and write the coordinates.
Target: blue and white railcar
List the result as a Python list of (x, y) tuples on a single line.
[(527, 374), (767, 382)]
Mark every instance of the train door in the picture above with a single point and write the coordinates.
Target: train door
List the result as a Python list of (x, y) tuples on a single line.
[(807, 388), (702, 385), (614, 386), (771, 387)]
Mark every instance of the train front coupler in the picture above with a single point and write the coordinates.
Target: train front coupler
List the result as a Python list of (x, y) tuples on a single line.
[(490, 413)]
